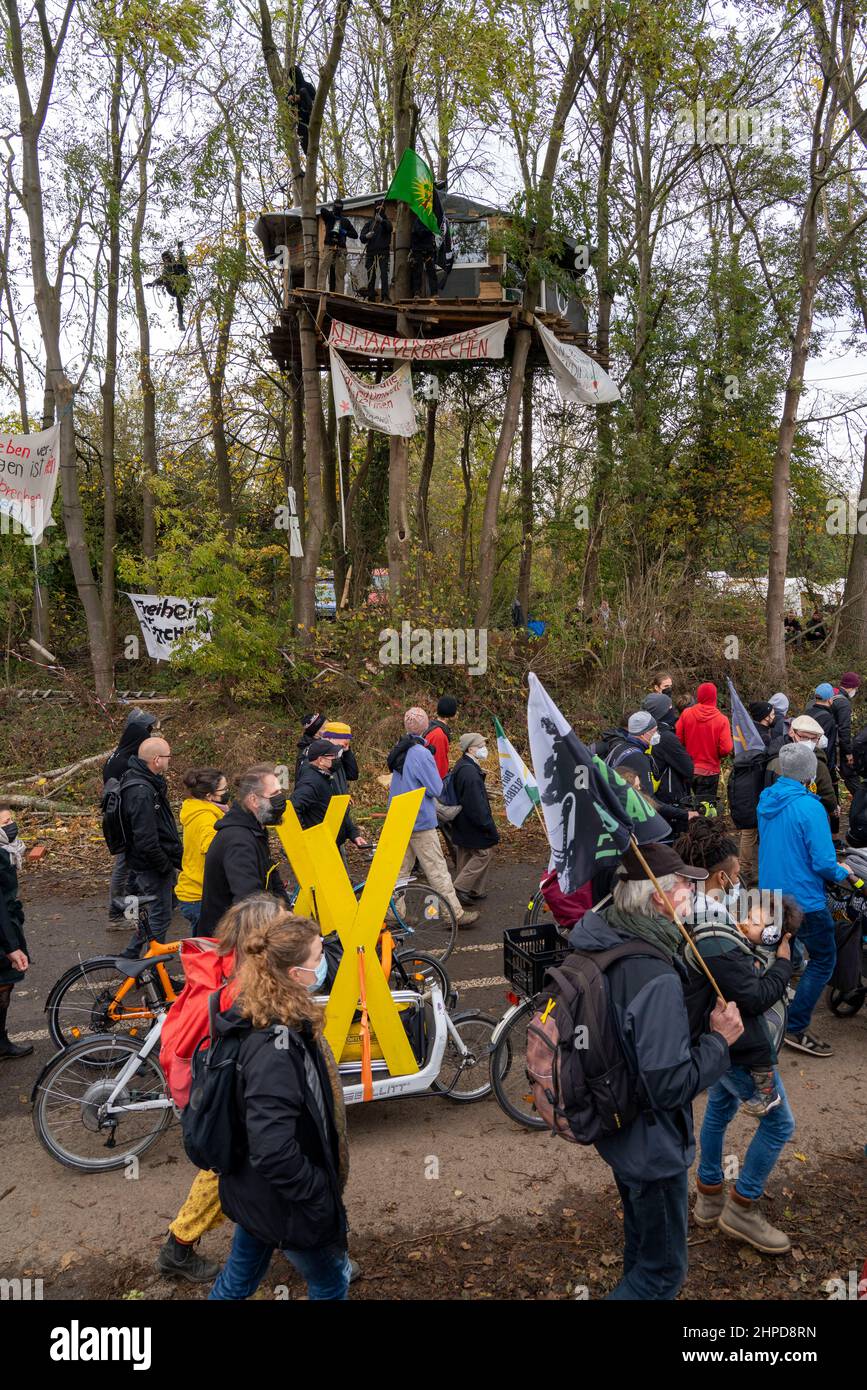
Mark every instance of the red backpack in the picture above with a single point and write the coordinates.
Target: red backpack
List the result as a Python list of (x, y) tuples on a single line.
[(187, 1024)]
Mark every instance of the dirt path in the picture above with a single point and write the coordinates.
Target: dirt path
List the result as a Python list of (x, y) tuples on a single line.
[(523, 1215)]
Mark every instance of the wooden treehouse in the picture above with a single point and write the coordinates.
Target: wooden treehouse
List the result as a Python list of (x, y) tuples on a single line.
[(481, 288)]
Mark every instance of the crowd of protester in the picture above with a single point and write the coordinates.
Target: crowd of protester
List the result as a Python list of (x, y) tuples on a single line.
[(770, 955)]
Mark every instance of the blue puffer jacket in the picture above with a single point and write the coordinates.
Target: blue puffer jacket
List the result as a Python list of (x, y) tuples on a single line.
[(648, 1002), (796, 852)]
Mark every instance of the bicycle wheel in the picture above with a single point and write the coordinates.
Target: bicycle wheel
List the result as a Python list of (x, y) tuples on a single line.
[(417, 971), (424, 919), (84, 1004), (77, 1083), (845, 1005), (537, 909), (466, 1075), (508, 1070)]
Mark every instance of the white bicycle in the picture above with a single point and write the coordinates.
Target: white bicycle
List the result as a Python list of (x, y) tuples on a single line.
[(104, 1101)]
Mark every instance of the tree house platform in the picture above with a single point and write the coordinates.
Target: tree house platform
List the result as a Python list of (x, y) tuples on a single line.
[(426, 318)]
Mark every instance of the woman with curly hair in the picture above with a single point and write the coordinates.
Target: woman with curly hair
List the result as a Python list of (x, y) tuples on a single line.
[(287, 1192)]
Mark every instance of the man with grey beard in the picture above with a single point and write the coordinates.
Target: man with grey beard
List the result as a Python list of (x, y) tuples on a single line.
[(239, 860)]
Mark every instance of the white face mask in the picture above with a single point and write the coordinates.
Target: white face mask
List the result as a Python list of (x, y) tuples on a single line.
[(823, 742), (480, 753), (654, 740)]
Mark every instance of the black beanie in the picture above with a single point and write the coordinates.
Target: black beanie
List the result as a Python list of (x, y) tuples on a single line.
[(447, 706)]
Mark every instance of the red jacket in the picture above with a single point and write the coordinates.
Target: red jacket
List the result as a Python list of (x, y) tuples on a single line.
[(437, 739), (705, 732)]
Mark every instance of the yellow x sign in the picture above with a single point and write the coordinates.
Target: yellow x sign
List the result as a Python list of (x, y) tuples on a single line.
[(324, 883)]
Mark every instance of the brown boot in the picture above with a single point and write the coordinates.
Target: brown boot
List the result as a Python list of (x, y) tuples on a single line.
[(741, 1218), (709, 1202)]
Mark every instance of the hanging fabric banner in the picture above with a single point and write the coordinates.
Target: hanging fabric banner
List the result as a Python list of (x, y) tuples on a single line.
[(387, 406), (165, 620), (468, 346), (296, 549), (28, 477), (578, 377)]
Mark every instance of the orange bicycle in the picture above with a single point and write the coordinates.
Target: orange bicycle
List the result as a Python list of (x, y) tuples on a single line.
[(110, 994)]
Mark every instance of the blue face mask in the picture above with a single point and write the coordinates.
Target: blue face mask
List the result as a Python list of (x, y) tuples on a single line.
[(319, 977)]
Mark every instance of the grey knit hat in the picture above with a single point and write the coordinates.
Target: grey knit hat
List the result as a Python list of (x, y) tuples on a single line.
[(798, 762), (641, 722), (468, 741)]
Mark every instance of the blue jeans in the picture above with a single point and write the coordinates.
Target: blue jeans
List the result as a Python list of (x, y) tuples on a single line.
[(325, 1269), (654, 1239), (192, 912), (775, 1129), (817, 934), (147, 883)]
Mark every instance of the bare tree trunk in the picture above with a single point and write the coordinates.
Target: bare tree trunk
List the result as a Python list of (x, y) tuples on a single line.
[(306, 190), (422, 525), (47, 298), (780, 503), (467, 508), (297, 481), (526, 563), (496, 477), (853, 620), (148, 393), (109, 381)]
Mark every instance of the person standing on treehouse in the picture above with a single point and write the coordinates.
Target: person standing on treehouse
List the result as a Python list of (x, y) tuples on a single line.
[(337, 229), (376, 238)]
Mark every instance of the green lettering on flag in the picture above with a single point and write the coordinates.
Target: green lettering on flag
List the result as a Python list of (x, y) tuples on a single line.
[(413, 185)]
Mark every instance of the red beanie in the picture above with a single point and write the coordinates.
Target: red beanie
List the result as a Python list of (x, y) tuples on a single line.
[(706, 693)]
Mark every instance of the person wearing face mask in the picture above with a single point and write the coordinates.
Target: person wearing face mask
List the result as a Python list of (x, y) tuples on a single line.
[(287, 1192), (473, 831), (14, 953), (821, 710), (154, 853), (201, 810), (635, 748), (804, 729), (673, 767), (706, 735), (662, 684), (239, 860), (315, 787), (651, 1156)]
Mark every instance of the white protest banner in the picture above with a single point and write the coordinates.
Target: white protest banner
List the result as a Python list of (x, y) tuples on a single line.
[(165, 620), (388, 407), (578, 377), (296, 549), (28, 477), (468, 346)]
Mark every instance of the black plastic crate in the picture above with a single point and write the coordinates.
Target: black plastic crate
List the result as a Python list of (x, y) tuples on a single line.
[(527, 953)]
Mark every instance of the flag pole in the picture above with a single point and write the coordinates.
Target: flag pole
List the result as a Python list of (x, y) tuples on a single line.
[(669, 904)]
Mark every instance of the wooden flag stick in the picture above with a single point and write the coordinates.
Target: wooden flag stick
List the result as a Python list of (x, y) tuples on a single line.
[(670, 905)]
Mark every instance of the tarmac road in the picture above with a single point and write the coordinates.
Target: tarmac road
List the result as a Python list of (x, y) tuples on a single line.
[(418, 1165)]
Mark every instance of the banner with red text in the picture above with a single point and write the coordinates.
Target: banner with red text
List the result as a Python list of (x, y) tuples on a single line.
[(387, 406), (28, 477), (468, 346)]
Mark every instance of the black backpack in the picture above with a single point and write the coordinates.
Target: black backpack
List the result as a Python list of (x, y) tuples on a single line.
[(583, 1086), (212, 1126), (111, 809), (745, 785)]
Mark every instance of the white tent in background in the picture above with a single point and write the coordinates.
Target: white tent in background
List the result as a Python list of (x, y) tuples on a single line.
[(757, 588)]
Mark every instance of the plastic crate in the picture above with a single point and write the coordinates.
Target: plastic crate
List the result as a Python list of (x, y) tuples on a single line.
[(527, 953)]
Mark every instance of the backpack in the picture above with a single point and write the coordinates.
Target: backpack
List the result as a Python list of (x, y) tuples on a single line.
[(859, 753), (186, 1025), (745, 785), (583, 1086), (212, 1126), (111, 810)]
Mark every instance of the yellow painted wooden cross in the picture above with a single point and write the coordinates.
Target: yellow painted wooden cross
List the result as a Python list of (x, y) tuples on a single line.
[(325, 886)]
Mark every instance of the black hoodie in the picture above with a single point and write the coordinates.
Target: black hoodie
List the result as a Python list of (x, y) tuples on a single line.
[(286, 1191), (397, 756), (136, 729)]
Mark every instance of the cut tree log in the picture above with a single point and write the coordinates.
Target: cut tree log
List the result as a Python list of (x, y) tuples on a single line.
[(40, 803), (62, 772)]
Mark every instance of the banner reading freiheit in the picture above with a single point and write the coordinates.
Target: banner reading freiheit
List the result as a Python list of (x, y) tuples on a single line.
[(468, 346), (166, 620), (28, 477)]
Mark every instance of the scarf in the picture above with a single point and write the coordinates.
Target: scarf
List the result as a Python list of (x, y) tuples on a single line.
[(659, 931), (14, 848)]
